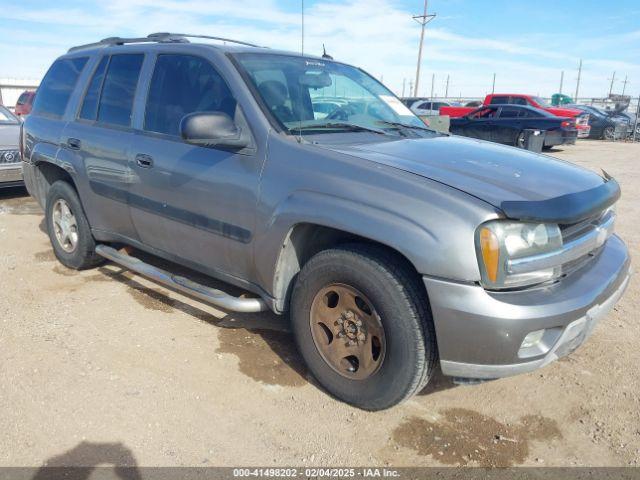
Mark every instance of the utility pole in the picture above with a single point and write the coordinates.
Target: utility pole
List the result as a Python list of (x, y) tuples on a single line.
[(575, 99), (624, 84), (561, 81), (433, 79), (404, 83), (613, 79), (635, 126), (422, 20), (302, 23), (446, 89), (493, 85)]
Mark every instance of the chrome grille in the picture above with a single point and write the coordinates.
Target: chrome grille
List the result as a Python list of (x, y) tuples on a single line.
[(9, 156), (572, 231)]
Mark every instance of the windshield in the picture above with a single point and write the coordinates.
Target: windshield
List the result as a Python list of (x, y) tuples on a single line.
[(541, 101), (7, 117), (315, 95)]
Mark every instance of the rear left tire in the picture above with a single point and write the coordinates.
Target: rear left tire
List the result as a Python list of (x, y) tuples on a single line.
[(68, 228)]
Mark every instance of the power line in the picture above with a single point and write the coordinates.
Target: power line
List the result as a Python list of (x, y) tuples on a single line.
[(422, 20)]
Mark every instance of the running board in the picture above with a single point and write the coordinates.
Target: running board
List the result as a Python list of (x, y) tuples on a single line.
[(182, 284)]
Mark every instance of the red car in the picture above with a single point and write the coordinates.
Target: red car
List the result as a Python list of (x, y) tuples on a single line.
[(24, 103), (582, 119)]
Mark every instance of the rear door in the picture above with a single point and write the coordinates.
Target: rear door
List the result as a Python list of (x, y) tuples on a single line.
[(101, 135), (195, 203), (507, 126)]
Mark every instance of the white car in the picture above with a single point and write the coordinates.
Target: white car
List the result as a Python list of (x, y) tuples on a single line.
[(10, 164), (428, 107)]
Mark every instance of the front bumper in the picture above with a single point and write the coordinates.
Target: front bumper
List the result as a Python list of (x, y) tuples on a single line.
[(480, 333)]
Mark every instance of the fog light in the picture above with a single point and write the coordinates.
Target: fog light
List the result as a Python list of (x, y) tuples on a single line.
[(532, 339)]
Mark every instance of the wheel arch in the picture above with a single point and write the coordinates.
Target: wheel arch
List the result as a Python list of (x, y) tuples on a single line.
[(45, 174), (303, 228)]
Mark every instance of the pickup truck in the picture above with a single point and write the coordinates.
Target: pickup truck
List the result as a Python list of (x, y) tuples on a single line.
[(581, 118), (391, 248)]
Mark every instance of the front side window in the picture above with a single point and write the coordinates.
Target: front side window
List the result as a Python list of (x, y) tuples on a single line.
[(119, 88), (316, 95), (183, 84), (57, 85), (483, 113)]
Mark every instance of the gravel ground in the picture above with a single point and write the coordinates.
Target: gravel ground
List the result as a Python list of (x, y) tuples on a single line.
[(106, 367)]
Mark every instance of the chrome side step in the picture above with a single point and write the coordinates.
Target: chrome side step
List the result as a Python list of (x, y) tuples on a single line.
[(182, 284)]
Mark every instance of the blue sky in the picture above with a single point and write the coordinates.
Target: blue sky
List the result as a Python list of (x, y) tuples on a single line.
[(527, 44)]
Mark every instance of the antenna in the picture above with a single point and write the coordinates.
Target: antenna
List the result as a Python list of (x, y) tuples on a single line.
[(302, 30), (324, 53)]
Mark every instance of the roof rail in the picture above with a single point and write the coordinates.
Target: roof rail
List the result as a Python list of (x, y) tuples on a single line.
[(161, 37)]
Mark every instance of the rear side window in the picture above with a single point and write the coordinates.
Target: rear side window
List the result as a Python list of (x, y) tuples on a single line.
[(58, 84), (22, 99), (510, 113), (497, 100), (518, 101), (119, 88), (183, 84), (90, 104)]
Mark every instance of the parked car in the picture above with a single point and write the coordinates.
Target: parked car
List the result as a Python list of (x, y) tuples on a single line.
[(631, 118), (24, 103), (10, 162), (392, 247), (506, 124), (581, 118), (605, 125), (429, 108)]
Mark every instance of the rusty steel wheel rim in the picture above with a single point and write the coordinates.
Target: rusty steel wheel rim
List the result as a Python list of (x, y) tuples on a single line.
[(347, 331)]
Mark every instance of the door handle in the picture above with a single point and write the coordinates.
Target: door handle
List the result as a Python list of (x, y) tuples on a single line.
[(74, 143), (144, 161)]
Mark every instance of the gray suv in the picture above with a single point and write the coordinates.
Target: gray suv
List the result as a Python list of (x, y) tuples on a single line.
[(393, 248)]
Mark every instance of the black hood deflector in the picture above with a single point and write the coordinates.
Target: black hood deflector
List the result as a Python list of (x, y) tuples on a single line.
[(570, 208)]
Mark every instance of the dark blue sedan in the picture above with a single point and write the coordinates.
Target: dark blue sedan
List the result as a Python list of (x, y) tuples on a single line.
[(506, 124)]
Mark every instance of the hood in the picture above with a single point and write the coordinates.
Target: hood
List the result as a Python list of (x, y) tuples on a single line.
[(502, 176), (9, 136)]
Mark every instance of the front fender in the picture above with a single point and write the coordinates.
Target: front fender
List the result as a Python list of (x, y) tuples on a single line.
[(432, 247)]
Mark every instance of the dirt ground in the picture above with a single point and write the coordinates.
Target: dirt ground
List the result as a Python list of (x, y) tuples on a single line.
[(106, 367)]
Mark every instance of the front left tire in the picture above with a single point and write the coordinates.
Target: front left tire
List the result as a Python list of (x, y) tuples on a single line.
[(362, 323)]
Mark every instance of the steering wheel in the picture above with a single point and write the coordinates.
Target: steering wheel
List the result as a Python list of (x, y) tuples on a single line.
[(339, 113)]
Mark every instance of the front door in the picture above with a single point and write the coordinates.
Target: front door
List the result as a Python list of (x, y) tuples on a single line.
[(195, 203)]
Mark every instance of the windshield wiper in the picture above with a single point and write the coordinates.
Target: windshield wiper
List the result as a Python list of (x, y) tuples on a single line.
[(351, 127), (405, 125)]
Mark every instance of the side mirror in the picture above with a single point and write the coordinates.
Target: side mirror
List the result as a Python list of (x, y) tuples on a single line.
[(209, 129)]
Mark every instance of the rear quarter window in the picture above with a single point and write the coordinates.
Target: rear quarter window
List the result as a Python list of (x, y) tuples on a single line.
[(57, 86)]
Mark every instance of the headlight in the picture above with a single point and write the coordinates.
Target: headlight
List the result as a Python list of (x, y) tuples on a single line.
[(499, 241)]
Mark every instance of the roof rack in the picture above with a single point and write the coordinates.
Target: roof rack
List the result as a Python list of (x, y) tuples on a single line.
[(162, 37)]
